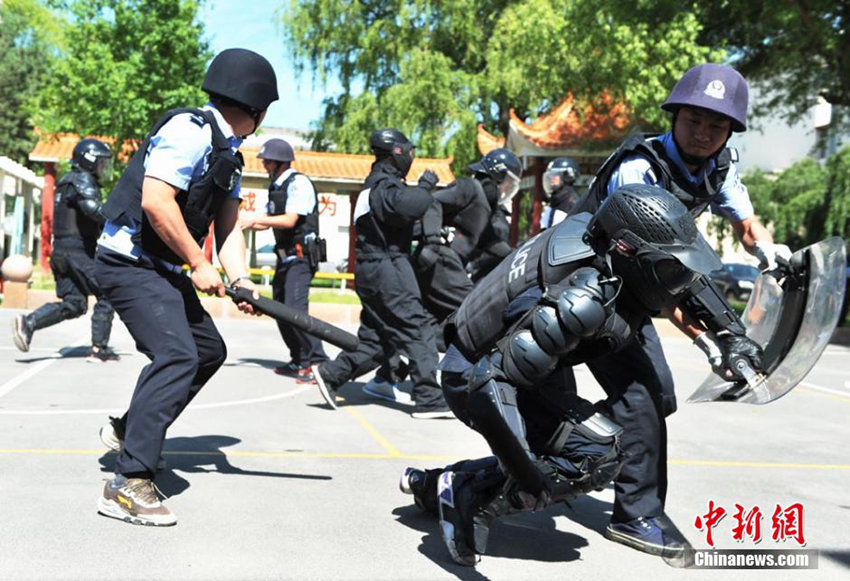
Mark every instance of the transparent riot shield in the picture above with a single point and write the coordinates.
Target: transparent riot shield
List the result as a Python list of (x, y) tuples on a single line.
[(792, 320)]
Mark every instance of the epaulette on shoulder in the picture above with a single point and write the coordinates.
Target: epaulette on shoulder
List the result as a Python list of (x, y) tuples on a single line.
[(197, 119)]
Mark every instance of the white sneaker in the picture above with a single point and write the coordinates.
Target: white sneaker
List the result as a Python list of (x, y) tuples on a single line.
[(386, 390), (134, 500), (112, 436)]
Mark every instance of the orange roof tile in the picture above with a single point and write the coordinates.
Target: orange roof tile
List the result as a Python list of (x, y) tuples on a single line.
[(487, 142), (344, 166), (315, 164), (567, 127)]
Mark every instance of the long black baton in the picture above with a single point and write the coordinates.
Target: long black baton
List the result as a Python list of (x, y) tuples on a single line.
[(298, 319)]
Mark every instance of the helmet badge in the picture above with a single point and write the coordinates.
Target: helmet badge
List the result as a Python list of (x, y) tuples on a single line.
[(715, 89)]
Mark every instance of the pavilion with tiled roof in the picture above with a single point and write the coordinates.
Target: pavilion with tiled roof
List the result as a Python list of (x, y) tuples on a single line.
[(333, 174), (581, 131)]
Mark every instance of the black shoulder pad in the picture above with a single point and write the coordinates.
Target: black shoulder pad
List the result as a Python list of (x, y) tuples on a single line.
[(86, 185), (567, 242)]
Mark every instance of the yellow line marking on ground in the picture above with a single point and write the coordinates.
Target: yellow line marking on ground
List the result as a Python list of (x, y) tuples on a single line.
[(398, 455), (822, 391), (384, 443)]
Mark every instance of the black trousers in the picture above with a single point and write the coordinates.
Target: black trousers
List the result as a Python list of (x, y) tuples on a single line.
[(392, 320), (165, 317), (291, 286), (639, 386), (73, 270)]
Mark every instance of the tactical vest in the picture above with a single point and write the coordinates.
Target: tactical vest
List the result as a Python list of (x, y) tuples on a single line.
[(70, 225), (374, 239), (287, 238), (544, 260), (695, 197), (199, 205)]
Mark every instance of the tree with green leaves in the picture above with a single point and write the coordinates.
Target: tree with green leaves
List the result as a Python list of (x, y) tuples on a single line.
[(797, 50), (124, 63), (435, 69), (27, 35), (807, 202)]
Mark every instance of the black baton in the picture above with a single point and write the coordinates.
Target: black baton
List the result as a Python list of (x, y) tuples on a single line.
[(298, 319)]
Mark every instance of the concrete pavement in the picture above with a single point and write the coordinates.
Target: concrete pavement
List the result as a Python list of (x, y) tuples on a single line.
[(268, 483)]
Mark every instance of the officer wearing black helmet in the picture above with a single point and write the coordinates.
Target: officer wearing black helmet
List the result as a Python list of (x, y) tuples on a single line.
[(392, 319), (691, 161), (578, 289), (293, 214), (558, 190), (185, 176), (77, 220), (498, 172)]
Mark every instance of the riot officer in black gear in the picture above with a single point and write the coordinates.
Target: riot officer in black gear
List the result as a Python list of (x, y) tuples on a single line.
[(498, 172), (185, 177), (558, 190), (77, 220), (293, 214), (393, 319), (580, 288), (693, 162)]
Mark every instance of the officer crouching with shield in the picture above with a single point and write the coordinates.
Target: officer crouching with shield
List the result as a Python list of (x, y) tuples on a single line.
[(185, 176), (293, 215), (574, 291)]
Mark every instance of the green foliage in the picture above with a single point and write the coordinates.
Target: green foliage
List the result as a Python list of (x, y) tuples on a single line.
[(436, 69), (807, 202), (25, 57), (799, 49), (124, 63)]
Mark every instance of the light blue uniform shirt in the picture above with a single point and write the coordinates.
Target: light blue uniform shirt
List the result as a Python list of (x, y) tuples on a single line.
[(732, 201), (178, 154), (300, 195)]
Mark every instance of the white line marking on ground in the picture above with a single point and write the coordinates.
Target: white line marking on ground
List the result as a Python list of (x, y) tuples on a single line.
[(201, 406), (825, 389), (16, 381)]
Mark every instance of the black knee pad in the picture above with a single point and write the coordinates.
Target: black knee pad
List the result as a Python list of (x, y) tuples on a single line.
[(75, 305)]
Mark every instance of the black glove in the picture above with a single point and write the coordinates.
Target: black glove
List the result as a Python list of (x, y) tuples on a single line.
[(736, 348), (428, 180), (534, 501), (428, 256)]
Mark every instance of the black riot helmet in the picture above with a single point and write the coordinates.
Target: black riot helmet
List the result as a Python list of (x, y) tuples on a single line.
[(393, 144), (504, 168), (653, 243), (244, 78), (561, 171), (92, 156)]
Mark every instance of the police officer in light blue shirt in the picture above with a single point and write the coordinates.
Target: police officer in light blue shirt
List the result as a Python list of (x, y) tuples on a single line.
[(692, 161), (185, 176), (293, 214)]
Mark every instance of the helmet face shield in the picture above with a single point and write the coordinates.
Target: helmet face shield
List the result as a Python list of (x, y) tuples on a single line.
[(508, 188), (103, 168), (403, 156), (673, 275), (552, 180)]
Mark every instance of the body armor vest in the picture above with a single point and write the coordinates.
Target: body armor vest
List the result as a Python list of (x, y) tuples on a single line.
[(287, 238), (199, 205), (695, 197), (542, 261), (71, 227)]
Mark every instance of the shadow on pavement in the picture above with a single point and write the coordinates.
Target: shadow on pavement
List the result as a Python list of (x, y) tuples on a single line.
[(840, 556), (529, 536), (267, 363), (196, 455), (76, 352)]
